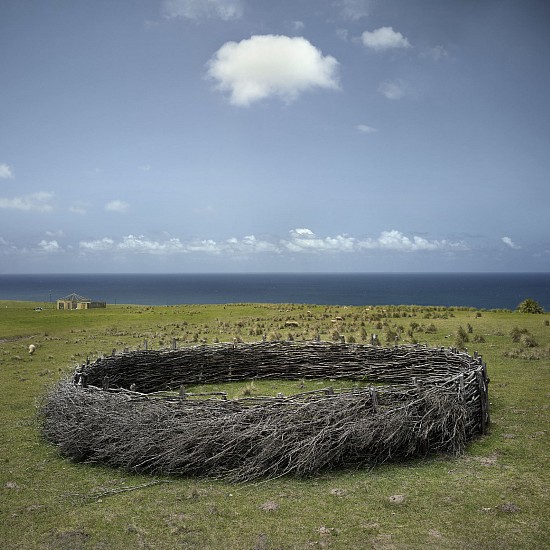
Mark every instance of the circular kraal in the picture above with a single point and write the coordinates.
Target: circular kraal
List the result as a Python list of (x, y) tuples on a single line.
[(133, 410)]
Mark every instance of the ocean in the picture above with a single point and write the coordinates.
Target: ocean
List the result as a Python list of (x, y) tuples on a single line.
[(479, 290)]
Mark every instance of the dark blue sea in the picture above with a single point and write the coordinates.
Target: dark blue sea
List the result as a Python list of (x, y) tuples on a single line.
[(479, 290)]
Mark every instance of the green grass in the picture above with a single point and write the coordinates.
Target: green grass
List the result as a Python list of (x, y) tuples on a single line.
[(495, 496)]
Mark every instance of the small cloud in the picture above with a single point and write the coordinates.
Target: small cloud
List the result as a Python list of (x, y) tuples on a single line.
[(271, 66), (365, 129), (391, 90), (297, 25), (78, 208), (136, 244), (98, 245), (49, 246), (353, 9), (342, 34), (509, 242), (38, 202), (437, 53), (58, 233), (384, 38), (145, 167), (302, 232), (117, 206), (396, 240), (203, 9), (5, 172), (305, 240)]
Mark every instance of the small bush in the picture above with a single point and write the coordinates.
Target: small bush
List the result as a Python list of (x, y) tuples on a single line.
[(528, 341), (461, 338), (530, 306), (516, 333)]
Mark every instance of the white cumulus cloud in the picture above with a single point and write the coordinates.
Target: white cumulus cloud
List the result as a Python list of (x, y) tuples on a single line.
[(250, 245), (509, 242), (49, 246), (98, 245), (117, 206), (203, 9), (144, 245), (304, 240), (137, 244), (5, 172), (271, 66), (396, 240), (384, 38), (300, 241), (38, 202)]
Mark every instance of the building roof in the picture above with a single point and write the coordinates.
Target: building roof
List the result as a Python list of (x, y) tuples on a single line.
[(74, 297)]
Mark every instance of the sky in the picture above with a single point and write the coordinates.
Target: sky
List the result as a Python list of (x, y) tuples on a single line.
[(260, 136)]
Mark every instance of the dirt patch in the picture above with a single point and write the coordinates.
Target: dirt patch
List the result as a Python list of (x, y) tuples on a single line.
[(68, 540), (490, 460), (509, 508), (269, 506)]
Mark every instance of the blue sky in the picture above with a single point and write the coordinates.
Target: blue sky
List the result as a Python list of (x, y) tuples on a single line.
[(252, 135)]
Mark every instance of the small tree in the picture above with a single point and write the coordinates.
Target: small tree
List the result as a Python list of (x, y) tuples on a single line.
[(530, 306)]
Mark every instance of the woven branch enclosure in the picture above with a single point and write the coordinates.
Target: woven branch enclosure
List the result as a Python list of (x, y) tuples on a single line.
[(117, 411)]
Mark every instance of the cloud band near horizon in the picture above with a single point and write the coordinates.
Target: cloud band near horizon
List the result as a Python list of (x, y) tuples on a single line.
[(300, 241)]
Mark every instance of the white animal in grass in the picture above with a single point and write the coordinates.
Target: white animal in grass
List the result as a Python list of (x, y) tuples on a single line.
[(32, 349)]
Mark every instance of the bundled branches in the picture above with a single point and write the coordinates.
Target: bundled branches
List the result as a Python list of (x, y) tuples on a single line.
[(249, 439)]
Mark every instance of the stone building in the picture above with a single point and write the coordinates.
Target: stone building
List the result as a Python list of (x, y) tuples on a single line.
[(75, 301)]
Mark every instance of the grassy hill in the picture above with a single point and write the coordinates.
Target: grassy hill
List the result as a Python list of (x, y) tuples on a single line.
[(495, 496)]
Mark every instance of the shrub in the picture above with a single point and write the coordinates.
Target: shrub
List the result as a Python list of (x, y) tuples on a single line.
[(516, 333), (461, 338), (431, 329), (391, 336), (530, 306), (528, 341)]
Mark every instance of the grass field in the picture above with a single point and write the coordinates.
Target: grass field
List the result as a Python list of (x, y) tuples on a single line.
[(495, 496)]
